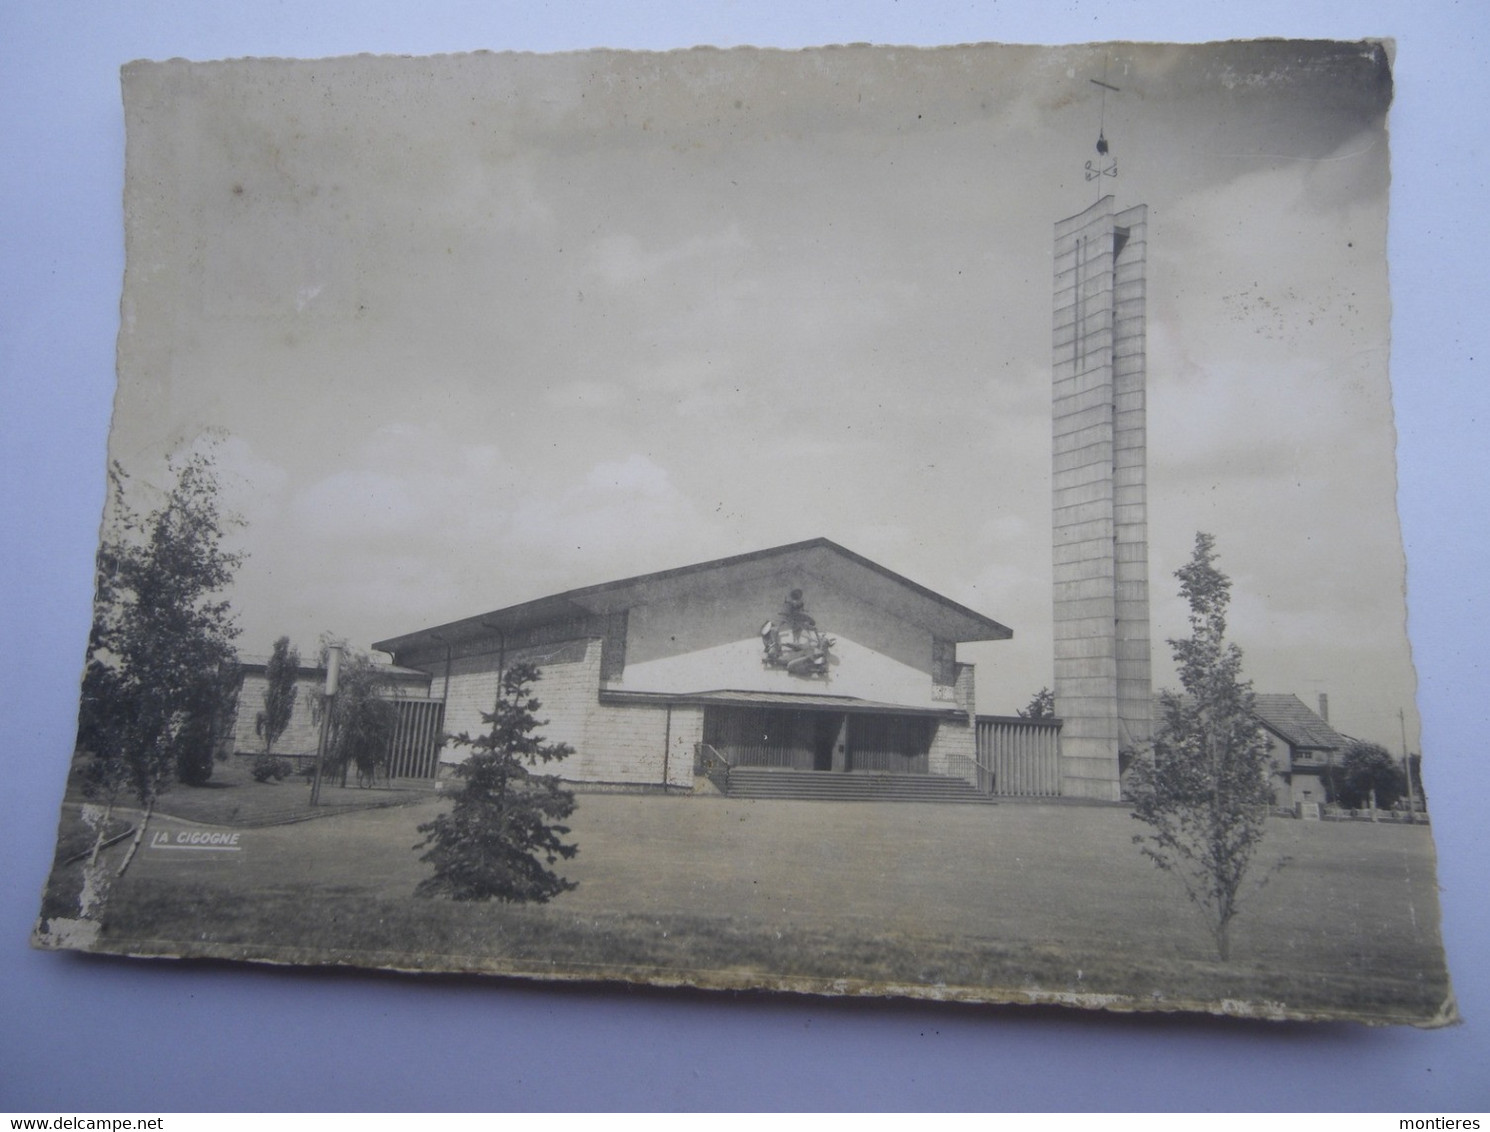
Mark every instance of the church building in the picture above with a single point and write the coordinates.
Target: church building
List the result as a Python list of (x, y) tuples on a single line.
[(810, 659), (806, 658)]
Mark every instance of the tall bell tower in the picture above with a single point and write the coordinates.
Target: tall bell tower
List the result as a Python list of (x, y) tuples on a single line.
[(1103, 689)]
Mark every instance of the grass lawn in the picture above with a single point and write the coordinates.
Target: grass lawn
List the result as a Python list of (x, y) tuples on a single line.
[(232, 797), (1003, 903)]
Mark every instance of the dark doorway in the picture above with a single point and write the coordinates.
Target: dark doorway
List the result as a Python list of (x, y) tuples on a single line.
[(821, 739), (895, 743), (825, 736)]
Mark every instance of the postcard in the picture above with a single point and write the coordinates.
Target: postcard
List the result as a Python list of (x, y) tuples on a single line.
[(858, 521)]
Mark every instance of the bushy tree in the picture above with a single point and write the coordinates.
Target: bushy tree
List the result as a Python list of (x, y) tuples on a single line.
[(1367, 775), (161, 681), (503, 829), (1203, 787), (206, 736), (1041, 706)]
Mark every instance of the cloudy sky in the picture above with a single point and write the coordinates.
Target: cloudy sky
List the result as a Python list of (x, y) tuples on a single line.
[(478, 329)]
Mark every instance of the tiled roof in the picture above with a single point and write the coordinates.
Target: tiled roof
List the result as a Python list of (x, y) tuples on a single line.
[(1287, 715)]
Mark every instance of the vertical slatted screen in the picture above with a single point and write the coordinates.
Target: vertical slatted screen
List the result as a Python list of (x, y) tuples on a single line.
[(414, 748), (759, 737), (1024, 756), (802, 740), (889, 743)]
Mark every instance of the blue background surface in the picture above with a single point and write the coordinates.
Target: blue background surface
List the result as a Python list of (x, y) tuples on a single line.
[(83, 1033)]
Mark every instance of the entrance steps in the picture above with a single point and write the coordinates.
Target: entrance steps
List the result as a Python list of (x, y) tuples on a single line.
[(853, 786)]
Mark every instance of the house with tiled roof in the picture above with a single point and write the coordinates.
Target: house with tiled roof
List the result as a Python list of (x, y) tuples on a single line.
[(1302, 745)]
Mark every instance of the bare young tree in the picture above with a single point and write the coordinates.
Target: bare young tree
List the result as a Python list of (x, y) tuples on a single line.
[(1203, 788), (161, 681)]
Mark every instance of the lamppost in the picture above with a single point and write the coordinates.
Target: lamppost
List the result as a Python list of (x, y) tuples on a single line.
[(328, 699), (1412, 809)]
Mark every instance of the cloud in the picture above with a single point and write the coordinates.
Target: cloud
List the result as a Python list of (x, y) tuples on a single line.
[(1277, 264), (355, 507), (414, 532), (636, 477), (622, 260), (617, 514), (580, 395)]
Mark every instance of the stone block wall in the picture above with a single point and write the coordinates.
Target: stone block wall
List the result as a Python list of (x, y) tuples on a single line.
[(565, 679), (632, 744), (954, 750), (954, 743), (302, 734), (1099, 494)]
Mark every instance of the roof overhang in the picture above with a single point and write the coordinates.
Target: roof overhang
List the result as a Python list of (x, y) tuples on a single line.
[(848, 705)]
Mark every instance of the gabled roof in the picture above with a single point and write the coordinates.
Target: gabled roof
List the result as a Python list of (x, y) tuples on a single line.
[(819, 557), (1287, 715)]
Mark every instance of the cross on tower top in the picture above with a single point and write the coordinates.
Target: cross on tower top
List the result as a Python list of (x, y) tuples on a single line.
[(1105, 165)]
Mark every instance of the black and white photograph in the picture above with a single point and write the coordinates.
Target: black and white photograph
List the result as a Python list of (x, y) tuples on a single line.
[(860, 521)]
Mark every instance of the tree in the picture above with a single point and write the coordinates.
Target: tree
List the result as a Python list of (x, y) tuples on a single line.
[(1367, 775), (1041, 706), (279, 693), (362, 715), (1203, 787), (206, 734), (506, 817), (161, 681)]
